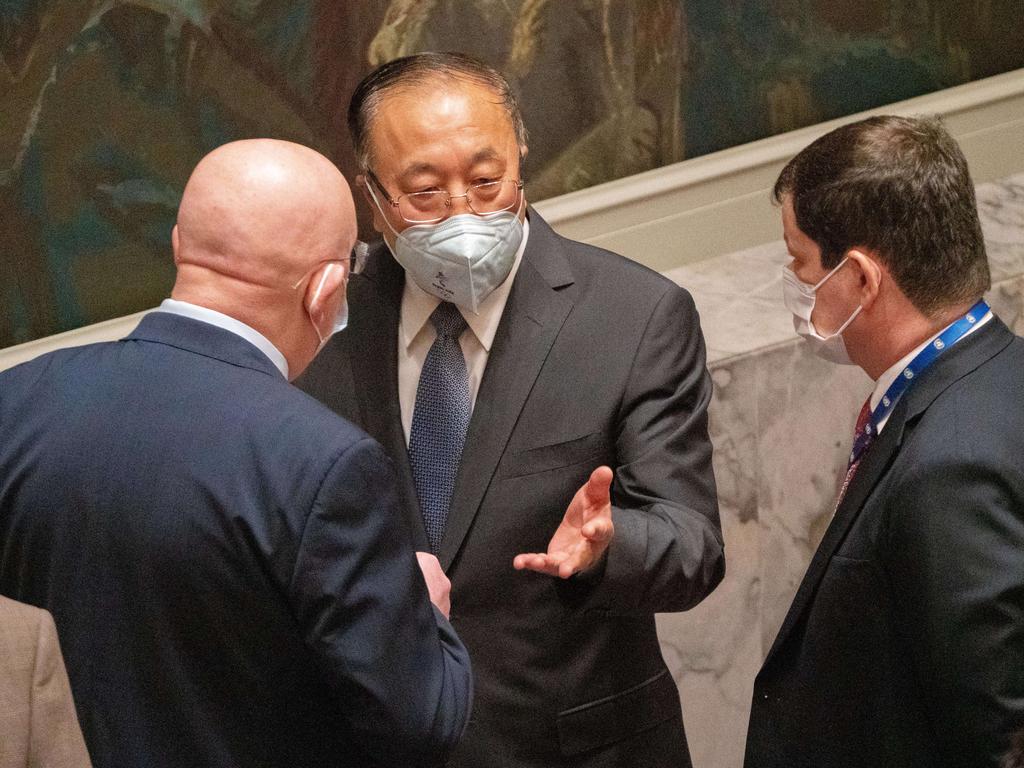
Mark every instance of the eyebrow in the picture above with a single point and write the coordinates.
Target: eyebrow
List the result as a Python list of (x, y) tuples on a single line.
[(414, 169)]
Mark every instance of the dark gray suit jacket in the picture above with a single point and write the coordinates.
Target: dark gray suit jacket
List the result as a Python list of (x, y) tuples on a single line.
[(224, 559), (597, 360), (904, 645)]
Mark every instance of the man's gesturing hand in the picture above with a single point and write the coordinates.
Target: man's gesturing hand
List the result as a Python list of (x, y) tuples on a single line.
[(437, 583), (583, 535)]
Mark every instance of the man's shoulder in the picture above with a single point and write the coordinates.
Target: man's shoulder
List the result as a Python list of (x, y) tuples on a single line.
[(67, 361), (594, 259), (975, 422), (600, 274)]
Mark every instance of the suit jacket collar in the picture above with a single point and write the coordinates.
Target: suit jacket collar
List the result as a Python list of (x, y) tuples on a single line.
[(203, 339), (959, 361), (536, 308)]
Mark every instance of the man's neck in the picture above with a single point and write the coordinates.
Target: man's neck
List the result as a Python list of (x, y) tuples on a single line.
[(900, 336)]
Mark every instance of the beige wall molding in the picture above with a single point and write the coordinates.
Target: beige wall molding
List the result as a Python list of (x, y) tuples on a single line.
[(718, 203)]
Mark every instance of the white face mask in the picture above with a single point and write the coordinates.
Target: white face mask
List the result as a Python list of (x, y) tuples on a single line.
[(461, 259), (341, 317), (799, 298)]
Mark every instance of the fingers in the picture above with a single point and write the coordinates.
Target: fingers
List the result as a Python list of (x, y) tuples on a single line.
[(599, 531), (543, 563), (438, 585)]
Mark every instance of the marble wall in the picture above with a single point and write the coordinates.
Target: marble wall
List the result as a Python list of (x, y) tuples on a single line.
[(782, 423)]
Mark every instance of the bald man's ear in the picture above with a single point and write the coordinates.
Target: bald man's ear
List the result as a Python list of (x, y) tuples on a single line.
[(325, 293)]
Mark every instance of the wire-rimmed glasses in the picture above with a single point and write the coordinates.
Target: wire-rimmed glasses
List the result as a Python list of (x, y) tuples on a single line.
[(432, 206)]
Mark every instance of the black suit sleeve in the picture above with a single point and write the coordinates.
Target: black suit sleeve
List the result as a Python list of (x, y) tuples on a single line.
[(363, 608), (956, 560), (667, 553)]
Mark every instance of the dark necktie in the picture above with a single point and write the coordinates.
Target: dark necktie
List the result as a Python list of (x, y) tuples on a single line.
[(863, 434), (440, 419)]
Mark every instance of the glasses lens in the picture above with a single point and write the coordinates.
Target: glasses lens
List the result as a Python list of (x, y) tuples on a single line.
[(493, 196), (422, 206)]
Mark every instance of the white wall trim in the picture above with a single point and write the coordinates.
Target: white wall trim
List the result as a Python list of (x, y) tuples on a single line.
[(950, 103), (718, 203)]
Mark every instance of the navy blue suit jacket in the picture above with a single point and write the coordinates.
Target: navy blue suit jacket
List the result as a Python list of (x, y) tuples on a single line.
[(904, 645), (224, 557)]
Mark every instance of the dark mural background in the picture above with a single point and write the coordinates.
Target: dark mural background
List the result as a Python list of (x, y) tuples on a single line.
[(106, 106)]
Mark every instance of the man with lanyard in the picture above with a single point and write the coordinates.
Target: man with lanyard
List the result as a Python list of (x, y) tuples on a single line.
[(904, 645)]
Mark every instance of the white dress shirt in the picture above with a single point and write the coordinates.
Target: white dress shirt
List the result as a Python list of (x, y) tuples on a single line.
[(886, 379), (416, 334), (219, 319)]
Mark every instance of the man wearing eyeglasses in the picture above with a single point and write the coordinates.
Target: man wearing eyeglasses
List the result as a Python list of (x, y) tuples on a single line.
[(545, 405)]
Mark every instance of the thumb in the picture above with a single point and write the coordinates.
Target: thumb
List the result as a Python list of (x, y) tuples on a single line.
[(598, 488)]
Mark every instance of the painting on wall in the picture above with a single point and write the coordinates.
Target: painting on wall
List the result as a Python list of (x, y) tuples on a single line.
[(106, 105)]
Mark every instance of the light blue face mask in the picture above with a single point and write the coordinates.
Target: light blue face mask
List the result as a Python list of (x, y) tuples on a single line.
[(463, 258)]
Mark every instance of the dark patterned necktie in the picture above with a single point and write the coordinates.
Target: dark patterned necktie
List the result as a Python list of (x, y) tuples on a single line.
[(863, 434), (440, 420)]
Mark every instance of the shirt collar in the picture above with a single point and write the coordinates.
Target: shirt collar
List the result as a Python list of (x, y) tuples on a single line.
[(886, 379), (418, 305), (219, 319)]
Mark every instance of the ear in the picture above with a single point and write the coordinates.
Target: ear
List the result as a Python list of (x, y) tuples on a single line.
[(363, 183), (323, 289), (871, 275)]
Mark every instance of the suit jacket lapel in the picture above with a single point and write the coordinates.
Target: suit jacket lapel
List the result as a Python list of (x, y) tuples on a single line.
[(373, 339), (536, 309), (956, 363), (874, 463)]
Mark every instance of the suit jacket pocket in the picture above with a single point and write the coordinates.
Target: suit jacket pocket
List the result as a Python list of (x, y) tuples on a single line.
[(565, 454), (613, 718)]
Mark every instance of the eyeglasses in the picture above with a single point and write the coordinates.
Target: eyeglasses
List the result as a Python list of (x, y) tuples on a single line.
[(432, 206), (356, 262)]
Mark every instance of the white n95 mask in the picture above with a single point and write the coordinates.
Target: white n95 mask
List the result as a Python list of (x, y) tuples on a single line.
[(799, 298), (461, 259)]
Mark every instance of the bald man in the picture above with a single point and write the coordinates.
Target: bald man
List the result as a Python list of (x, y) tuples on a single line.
[(223, 556)]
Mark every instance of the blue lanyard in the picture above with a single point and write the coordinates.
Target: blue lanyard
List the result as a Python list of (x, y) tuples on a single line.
[(924, 358)]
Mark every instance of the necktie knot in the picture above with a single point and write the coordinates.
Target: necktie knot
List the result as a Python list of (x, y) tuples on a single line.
[(447, 320)]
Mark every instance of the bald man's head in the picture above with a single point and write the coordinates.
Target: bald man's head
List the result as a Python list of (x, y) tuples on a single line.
[(263, 210), (256, 217)]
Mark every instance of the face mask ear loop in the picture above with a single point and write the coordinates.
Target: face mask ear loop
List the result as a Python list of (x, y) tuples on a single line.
[(853, 317), (317, 291), (832, 272)]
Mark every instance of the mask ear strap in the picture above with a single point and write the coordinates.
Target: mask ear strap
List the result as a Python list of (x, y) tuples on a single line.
[(831, 272), (853, 317), (323, 280)]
